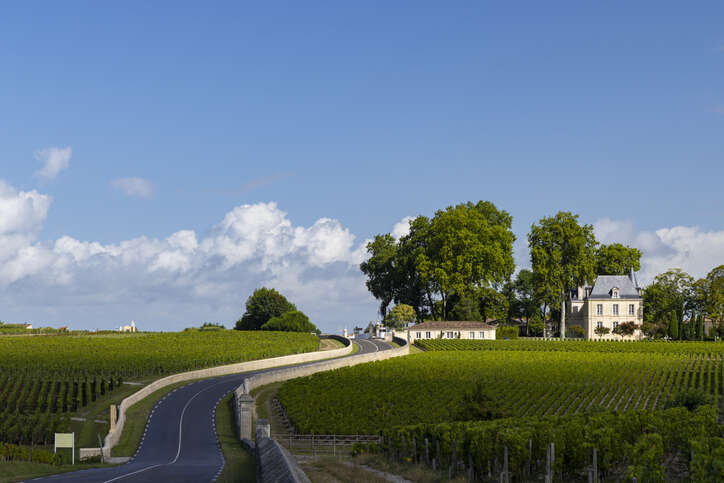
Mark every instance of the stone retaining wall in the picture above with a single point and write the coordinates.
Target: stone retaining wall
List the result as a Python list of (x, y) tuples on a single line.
[(244, 404), (274, 463), (114, 436)]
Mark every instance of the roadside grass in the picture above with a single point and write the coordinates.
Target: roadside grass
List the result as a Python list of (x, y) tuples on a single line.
[(332, 470), (411, 472), (239, 464), (415, 350), (136, 417), (86, 432), (13, 471), (263, 397), (329, 344)]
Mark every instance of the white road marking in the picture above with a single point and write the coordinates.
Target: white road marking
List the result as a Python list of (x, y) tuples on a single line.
[(180, 427), (134, 473)]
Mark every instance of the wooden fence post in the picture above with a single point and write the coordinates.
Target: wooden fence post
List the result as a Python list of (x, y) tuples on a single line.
[(437, 444), (454, 457), (505, 464), (548, 464)]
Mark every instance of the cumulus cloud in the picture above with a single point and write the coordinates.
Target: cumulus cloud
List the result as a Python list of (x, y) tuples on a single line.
[(402, 227), (168, 283), (692, 249), (134, 187), (54, 161)]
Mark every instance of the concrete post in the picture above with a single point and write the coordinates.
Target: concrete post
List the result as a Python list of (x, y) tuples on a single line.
[(263, 429), (246, 410), (113, 417)]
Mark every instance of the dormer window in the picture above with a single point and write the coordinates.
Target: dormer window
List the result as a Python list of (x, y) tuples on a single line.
[(614, 293)]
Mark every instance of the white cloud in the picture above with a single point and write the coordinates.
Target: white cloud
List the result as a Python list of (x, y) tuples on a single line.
[(180, 280), (690, 248), (402, 227), (21, 211), (134, 187), (54, 161)]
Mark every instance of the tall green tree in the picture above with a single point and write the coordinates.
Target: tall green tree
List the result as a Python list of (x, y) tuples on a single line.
[(493, 304), (671, 292), (410, 288), (673, 326), (714, 296), (381, 270), (526, 295), (261, 306), (617, 259), (465, 308), (400, 316), (470, 247), (562, 253)]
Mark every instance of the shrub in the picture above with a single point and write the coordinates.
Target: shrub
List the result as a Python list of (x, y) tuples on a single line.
[(576, 331), (506, 332), (292, 321), (263, 305)]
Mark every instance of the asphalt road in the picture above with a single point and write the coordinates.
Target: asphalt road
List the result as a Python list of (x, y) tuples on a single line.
[(179, 443)]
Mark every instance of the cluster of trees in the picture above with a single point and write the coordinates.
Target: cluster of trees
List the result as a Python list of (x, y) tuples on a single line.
[(677, 306), (458, 265), (267, 309), (464, 253)]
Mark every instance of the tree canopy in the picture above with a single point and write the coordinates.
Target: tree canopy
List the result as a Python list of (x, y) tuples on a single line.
[(400, 316), (562, 253), (617, 259), (292, 321), (261, 306), (458, 253), (670, 293)]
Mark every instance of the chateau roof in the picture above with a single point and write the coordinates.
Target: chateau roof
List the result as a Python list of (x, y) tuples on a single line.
[(626, 285)]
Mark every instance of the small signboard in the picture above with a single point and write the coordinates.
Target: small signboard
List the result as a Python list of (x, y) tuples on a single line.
[(65, 440)]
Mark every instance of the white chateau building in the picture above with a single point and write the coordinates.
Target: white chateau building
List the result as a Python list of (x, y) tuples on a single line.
[(612, 300)]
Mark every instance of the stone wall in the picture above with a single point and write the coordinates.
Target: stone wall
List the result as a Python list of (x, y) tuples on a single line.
[(114, 436), (274, 463), (257, 380)]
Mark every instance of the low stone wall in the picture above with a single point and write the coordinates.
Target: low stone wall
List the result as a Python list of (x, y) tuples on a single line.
[(244, 404), (256, 380), (114, 436), (87, 453), (275, 463)]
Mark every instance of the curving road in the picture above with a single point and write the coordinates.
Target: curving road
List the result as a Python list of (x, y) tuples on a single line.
[(179, 442)]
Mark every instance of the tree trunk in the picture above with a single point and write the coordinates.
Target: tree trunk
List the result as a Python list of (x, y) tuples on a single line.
[(563, 315), (433, 312)]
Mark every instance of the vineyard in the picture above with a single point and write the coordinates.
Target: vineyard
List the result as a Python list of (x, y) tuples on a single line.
[(492, 412), (662, 347), (430, 387), (44, 379)]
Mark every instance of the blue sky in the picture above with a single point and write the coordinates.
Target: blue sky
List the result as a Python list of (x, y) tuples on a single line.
[(363, 114)]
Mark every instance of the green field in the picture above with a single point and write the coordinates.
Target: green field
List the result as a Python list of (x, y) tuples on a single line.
[(44, 380), (518, 393)]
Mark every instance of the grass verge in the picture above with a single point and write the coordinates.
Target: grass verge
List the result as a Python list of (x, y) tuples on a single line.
[(12, 471), (136, 417), (239, 464), (86, 432), (329, 344)]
